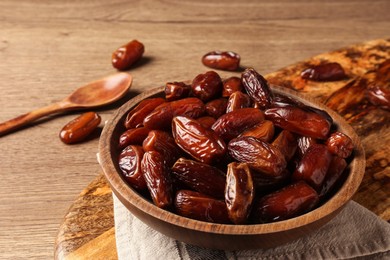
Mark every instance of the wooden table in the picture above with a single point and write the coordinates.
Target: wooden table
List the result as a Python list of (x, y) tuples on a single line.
[(48, 48)]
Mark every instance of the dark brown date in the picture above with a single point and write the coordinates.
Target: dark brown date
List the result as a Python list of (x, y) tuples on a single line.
[(314, 165), (324, 72), (257, 88), (136, 116), (299, 121), (230, 125), (206, 121), (207, 86), (231, 85), (335, 171), (379, 95), (238, 100), (157, 178), (161, 117), (239, 192), (287, 143), (263, 131), (124, 57), (200, 177), (79, 128), (133, 136), (288, 202), (223, 60), (260, 156), (216, 107), (130, 164), (195, 205), (265, 184), (163, 143), (176, 90), (202, 144), (340, 144), (304, 143)]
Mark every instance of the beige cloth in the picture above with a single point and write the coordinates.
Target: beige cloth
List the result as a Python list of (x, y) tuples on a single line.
[(356, 233)]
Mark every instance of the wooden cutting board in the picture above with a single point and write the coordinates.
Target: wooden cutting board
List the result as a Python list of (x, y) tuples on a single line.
[(88, 228)]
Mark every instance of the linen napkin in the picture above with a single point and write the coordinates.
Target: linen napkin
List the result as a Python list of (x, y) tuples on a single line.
[(355, 233)]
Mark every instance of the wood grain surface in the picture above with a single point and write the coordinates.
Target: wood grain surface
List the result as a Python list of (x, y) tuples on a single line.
[(48, 48)]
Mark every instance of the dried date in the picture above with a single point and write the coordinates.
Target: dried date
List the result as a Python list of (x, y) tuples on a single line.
[(130, 164), (79, 128), (207, 86), (176, 90), (333, 175), (133, 136), (216, 107), (257, 88), (125, 56), (231, 85), (223, 60), (287, 143), (324, 72), (263, 131), (340, 144), (136, 116), (238, 100)]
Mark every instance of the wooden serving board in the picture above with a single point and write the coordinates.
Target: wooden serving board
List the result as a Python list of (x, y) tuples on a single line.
[(88, 227)]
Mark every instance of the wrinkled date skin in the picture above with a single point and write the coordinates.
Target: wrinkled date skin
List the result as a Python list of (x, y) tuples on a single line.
[(223, 60), (124, 57), (238, 100), (263, 131), (324, 72), (202, 144), (288, 202), (136, 116), (304, 143), (335, 171), (157, 178), (198, 206), (161, 117), (379, 95), (287, 143), (260, 156), (163, 143), (313, 166), (216, 107), (133, 136), (257, 88), (231, 85), (207, 86), (340, 144), (299, 121), (230, 125), (206, 121), (176, 90), (239, 192), (200, 177), (130, 164), (79, 128)]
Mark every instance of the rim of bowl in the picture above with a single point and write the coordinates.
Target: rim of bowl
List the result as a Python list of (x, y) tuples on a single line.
[(124, 191)]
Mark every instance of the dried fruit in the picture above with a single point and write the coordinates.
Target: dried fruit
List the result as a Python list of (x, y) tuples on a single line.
[(130, 165), (257, 87), (238, 100), (136, 116), (223, 60), (206, 121), (231, 85), (202, 144), (324, 72), (264, 131), (133, 136), (340, 144), (207, 86), (333, 175), (239, 192), (176, 90), (379, 95), (216, 107), (125, 56), (79, 128), (286, 142)]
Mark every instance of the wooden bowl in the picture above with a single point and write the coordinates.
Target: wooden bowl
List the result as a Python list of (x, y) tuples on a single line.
[(221, 236)]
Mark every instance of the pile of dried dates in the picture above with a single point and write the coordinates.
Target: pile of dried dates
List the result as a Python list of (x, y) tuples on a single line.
[(232, 151)]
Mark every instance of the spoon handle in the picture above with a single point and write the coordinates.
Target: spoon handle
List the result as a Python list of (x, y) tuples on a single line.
[(22, 120)]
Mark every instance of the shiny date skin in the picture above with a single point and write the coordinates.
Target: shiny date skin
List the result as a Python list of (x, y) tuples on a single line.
[(336, 170), (257, 88), (200, 177), (207, 86), (157, 178), (206, 121), (79, 128), (230, 125), (161, 117), (216, 107), (163, 143), (379, 95), (133, 136), (260, 156), (130, 164), (287, 144), (176, 90), (288, 202), (124, 57), (263, 131), (340, 144), (195, 205), (239, 192), (223, 60), (299, 121), (202, 144), (231, 85), (314, 165), (136, 116), (304, 143), (324, 72), (238, 100)]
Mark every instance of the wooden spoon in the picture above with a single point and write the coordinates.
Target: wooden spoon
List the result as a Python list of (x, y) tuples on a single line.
[(97, 93)]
